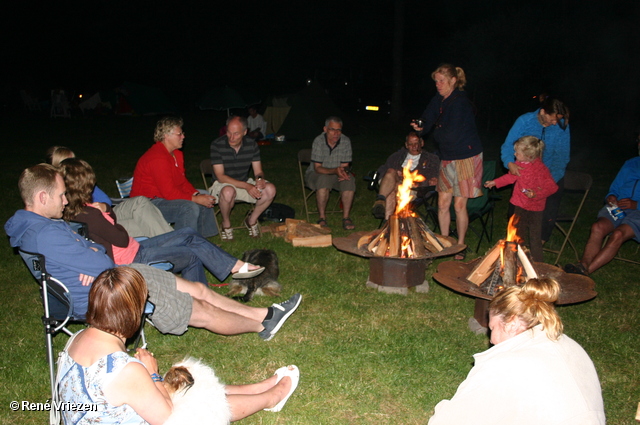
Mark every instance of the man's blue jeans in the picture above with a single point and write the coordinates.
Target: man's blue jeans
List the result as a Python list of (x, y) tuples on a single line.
[(188, 252), (183, 213)]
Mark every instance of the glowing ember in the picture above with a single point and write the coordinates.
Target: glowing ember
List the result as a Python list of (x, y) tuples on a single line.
[(410, 178)]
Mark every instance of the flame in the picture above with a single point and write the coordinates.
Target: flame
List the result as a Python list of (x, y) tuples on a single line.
[(409, 179), (405, 248), (512, 230)]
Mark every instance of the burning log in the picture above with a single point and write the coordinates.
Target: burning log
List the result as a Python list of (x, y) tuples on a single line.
[(509, 263), (394, 236), (403, 237), (506, 264), (484, 268)]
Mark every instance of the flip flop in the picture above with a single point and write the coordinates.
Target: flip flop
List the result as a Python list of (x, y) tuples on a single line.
[(245, 273), (294, 375)]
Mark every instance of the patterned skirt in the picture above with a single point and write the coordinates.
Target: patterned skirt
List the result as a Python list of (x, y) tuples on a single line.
[(461, 177)]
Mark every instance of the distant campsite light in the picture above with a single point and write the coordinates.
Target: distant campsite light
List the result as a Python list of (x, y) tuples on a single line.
[(372, 108)]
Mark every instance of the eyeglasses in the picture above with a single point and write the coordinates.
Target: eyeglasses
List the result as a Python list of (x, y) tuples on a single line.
[(179, 134), (335, 130)]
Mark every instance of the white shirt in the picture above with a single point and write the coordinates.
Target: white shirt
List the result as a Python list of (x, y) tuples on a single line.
[(527, 380)]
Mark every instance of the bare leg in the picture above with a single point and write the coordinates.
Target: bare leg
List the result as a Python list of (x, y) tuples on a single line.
[(222, 322), (226, 202), (243, 405), (322, 196), (200, 293), (347, 201), (390, 205), (388, 182), (444, 215), (619, 236), (462, 217), (599, 230), (257, 388), (268, 193)]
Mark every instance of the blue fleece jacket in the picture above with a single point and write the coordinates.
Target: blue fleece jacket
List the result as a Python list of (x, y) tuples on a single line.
[(625, 185), (67, 254), (557, 143)]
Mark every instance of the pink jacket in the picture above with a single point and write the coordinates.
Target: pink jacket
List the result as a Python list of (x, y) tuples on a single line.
[(534, 176)]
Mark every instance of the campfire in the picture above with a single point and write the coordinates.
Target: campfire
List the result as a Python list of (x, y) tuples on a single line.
[(506, 264), (405, 234)]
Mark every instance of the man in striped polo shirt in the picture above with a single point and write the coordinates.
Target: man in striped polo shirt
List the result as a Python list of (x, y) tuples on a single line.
[(232, 156)]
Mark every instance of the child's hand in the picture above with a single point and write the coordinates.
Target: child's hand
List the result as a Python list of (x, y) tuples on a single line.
[(529, 193), (489, 184)]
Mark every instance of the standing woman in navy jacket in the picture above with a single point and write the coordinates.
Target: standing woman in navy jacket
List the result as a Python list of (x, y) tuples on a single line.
[(450, 114)]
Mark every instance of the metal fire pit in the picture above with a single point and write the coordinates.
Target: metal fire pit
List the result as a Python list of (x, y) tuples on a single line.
[(393, 274), (575, 288)]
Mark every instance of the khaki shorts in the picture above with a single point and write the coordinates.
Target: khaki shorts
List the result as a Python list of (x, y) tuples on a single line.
[(241, 194), (317, 181), (172, 308)]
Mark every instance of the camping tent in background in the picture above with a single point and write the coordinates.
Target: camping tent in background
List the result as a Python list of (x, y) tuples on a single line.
[(129, 99), (142, 100), (222, 98), (300, 116)]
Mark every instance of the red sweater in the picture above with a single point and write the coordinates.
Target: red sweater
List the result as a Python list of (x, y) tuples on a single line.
[(534, 176), (159, 174)]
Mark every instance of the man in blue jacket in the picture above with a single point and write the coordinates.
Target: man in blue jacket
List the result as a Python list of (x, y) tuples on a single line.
[(76, 262), (624, 193)]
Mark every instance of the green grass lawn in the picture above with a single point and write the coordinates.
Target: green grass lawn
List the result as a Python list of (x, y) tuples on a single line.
[(365, 357)]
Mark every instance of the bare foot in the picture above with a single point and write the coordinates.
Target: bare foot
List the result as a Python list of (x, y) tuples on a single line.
[(279, 391)]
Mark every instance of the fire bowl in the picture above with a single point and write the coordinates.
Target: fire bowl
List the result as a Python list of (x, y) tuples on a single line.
[(350, 245), (394, 274), (575, 288)]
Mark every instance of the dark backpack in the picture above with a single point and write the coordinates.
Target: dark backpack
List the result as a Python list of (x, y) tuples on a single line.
[(277, 213)]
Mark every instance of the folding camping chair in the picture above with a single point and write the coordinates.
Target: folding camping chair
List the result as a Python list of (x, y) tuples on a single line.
[(57, 303), (578, 183), (124, 186), (304, 158), (206, 171)]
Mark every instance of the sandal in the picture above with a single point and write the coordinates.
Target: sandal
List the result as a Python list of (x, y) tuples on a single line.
[(460, 256), (254, 229), (245, 273), (322, 222), (227, 234), (347, 224)]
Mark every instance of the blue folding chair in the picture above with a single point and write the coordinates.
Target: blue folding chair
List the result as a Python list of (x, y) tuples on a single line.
[(57, 303)]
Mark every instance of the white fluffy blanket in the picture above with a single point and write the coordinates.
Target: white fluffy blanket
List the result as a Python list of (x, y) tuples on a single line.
[(205, 402)]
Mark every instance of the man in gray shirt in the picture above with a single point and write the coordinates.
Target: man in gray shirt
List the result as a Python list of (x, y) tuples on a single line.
[(330, 158)]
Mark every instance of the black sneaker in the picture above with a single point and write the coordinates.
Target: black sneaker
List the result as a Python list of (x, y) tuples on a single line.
[(281, 313)]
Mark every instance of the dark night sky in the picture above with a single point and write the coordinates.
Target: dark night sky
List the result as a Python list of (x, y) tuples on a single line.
[(584, 51)]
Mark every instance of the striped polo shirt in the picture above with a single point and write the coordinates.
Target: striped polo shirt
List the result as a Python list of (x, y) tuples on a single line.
[(236, 165)]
